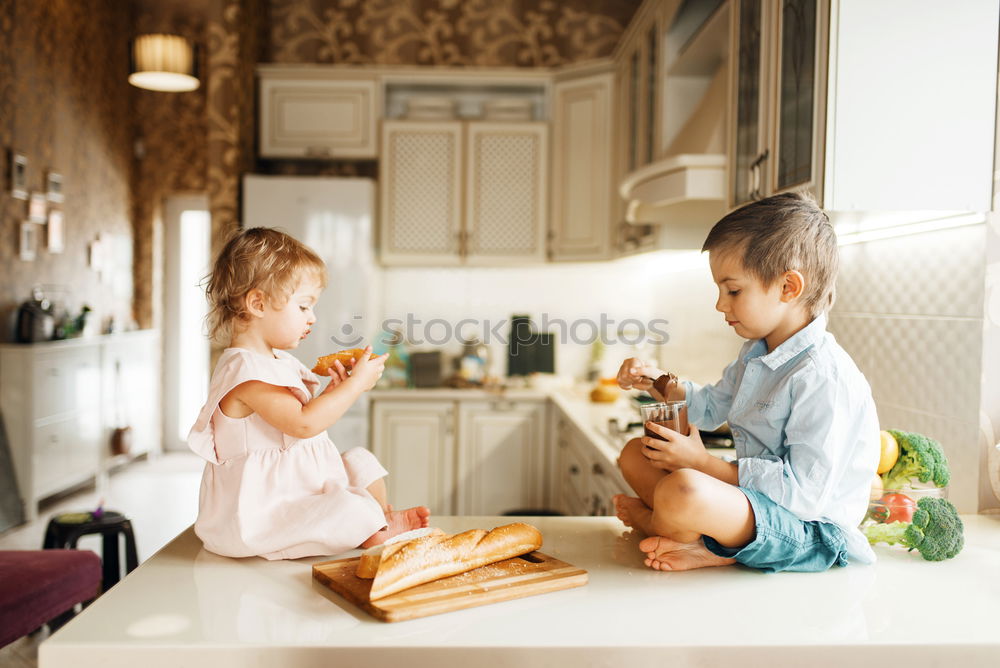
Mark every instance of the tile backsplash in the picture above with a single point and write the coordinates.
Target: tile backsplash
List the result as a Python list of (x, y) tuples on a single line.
[(910, 312), (674, 286)]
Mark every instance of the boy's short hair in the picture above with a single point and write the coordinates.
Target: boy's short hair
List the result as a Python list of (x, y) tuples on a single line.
[(258, 258), (782, 233)]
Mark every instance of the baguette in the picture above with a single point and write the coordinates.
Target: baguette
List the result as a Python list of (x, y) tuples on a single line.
[(372, 557), (346, 357), (408, 564)]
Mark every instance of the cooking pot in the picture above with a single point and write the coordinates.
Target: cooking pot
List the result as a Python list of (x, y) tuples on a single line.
[(35, 321)]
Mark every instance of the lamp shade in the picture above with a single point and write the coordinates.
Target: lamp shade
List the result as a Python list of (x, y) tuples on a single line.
[(163, 62)]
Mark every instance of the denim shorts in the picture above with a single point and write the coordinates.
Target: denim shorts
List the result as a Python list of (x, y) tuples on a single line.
[(784, 542)]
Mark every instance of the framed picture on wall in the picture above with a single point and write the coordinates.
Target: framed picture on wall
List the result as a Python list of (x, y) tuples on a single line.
[(54, 231), (29, 241), (54, 186), (37, 208), (18, 176)]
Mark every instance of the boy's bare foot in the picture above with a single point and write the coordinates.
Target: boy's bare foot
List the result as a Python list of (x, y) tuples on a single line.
[(633, 513), (663, 554), (399, 521)]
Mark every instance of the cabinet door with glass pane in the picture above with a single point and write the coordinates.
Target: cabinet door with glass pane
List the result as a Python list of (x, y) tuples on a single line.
[(799, 97), (748, 149), (780, 91)]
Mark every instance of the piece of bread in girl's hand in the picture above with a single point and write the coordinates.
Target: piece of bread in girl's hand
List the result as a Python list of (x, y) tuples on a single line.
[(346, 357), (432, 557)]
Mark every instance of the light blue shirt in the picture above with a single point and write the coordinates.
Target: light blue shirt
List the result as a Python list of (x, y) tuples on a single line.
[(804, 426)]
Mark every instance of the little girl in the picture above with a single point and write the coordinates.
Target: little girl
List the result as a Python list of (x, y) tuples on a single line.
[(275, 485)]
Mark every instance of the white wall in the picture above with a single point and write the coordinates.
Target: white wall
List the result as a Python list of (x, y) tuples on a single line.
[(672, 285)]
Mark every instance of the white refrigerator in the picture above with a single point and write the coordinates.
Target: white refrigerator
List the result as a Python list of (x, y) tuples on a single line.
[(334, 217)]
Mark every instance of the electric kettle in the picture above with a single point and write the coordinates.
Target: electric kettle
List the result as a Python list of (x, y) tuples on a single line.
[(35, 320)]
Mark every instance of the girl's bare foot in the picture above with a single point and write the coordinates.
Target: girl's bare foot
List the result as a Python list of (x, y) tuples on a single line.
[(399, 521), (663, 554), (634, 513)]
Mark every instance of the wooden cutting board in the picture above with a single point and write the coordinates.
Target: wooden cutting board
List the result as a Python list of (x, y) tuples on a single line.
[(534, 573)]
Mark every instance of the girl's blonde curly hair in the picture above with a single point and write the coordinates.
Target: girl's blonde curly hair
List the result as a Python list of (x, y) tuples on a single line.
[(259, 258)]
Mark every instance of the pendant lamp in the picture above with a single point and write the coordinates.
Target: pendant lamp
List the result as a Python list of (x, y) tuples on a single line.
[(163, 62)]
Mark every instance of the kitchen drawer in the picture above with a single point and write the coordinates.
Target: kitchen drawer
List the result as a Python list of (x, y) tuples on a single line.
[(62, 457), (318, 118), (65, 381)]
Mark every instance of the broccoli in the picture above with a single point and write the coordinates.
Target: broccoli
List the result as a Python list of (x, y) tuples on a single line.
[(919, 457), (936, 530)]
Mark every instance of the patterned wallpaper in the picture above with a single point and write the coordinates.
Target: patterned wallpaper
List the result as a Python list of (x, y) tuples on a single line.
[(171, 156), (514, 33), (64, 105)]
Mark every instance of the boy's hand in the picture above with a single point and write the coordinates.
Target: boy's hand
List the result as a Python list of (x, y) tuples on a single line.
[(676, 450), (634, 373), (367, 370)]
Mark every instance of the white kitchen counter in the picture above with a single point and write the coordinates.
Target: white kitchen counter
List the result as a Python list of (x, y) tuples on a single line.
[(185, 606)]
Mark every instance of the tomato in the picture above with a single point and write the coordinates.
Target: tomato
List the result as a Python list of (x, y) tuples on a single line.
[(900, 507)]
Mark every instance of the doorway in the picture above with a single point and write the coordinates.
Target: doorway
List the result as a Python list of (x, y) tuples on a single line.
[(186, 241)]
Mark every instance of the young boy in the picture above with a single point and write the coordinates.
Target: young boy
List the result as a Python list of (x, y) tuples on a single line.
[(801, 413)]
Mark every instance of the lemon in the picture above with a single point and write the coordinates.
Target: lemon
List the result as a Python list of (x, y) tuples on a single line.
[(889, 452)]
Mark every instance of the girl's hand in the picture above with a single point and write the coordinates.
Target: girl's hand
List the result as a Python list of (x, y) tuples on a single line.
[(367, 370), (634, 373), (675, 450), (337, 373)]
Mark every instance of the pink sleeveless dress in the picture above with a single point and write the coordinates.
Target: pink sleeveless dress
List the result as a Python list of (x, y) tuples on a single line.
[(265, 493)]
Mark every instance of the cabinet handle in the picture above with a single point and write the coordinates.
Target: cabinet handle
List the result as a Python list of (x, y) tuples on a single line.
[(318, 151), (755, 175), (574, 469), (504, 405), (597, 469)]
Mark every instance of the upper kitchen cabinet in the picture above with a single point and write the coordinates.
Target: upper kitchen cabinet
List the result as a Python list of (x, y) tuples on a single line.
[(507, 169), (872, 106), (464, 175), (421, 193), (673, 65), (584, 208), (780, 96), (317, 113)]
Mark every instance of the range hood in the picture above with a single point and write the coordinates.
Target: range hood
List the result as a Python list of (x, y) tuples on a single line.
[(686, 193)]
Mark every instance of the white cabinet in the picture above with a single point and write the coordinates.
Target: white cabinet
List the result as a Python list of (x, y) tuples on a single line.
[(824, 101), (506, 172), (584, 207), (780, 88), (131, 388), (415, 442), (457, 192), (58, 407), (467, 457), (309, 113), (501, 456), (421, 193), (584, 478)]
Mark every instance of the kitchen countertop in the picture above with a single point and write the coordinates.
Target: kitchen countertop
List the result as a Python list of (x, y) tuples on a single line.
[(185, 606)]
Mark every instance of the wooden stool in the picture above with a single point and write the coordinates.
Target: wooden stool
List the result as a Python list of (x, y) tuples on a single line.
[(63, 531)]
